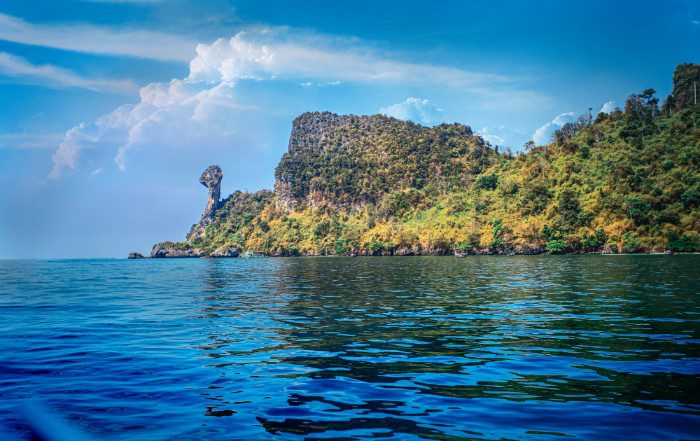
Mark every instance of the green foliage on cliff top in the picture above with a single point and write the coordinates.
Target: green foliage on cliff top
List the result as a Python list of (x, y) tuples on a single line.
[(624, 182), (352, 160)]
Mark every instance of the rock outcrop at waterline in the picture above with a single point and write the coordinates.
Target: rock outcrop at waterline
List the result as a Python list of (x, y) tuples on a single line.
[(211, 178), (226, 251), (175, 250)]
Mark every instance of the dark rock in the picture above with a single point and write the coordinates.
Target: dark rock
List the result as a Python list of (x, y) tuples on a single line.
[(211, 178), (171, 250), (685, 82), (136, 255), (226, 251)]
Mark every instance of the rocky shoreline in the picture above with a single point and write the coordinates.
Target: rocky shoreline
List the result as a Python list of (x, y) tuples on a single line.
[(169, 250)]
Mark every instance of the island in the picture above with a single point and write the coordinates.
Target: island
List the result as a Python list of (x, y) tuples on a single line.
[(620, 182)]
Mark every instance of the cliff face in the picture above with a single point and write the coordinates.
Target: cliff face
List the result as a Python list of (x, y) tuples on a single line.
[(624, 182), (211, 178), (351, 161), (686, 82)]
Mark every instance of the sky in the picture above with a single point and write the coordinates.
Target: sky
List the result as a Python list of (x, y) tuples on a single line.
[(111, 109)]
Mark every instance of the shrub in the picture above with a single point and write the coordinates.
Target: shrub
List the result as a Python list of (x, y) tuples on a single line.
[(681, 244), (593, 242), (637, 210), (691, 197), (376, 247), (322, 229), (341, 246), (667, 217), (498, 231), (556, 246), (488, 182), (630, 243)]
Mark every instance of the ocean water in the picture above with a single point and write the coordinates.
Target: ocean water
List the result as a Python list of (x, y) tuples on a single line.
[(485, 347)]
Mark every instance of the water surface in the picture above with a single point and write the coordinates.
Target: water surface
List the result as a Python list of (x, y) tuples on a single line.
[(486, 347)]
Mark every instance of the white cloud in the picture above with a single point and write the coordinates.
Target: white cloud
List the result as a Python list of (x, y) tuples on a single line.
[(415, 109), (202, 108), (501, 135), (282, 54), (543, 135), (29, 140), (57, 77), (175, 114), (124, 1), (97, 39), (96, 171), (608, 107)]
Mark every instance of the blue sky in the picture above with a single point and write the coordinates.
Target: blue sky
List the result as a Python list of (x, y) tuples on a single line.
[(110, 110)]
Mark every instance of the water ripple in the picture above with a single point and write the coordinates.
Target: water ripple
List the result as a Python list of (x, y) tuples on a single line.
[(527, 347)]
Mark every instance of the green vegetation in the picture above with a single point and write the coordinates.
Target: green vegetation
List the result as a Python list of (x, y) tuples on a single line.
[(627, 181)]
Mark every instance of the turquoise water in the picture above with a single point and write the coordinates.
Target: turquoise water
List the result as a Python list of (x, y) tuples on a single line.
[(486, 347)]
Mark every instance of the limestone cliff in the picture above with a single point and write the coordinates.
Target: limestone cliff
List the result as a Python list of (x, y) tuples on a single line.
[(625, 182), (211, 178)]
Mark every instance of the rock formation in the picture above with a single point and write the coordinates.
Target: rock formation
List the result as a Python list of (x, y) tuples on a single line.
[(211, 178), (686, 82), (136, 255), (226, 251), (173, 250)]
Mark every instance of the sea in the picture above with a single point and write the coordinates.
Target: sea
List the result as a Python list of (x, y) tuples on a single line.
[(591, 347)]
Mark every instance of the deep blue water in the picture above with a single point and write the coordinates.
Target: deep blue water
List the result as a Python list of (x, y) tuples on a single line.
[(486, 347)]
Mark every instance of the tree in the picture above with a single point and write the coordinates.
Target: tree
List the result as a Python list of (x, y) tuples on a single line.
[(686, 81), (643, 107), (568, 208), (637, 210), (488, 182)]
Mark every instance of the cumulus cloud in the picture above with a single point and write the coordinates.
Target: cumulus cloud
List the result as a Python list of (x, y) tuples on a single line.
[(283, 54), (543, 135), (608, 107), (172, 114), (97, 39), (202, 108), (57, 77), (501, 135), (415, 109)]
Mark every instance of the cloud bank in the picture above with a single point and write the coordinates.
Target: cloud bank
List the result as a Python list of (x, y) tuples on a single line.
[(501, 135), (57, 77), (543, 135), (415, 109), (608, 107), (97, 39), (282, 54), (202, 109)]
